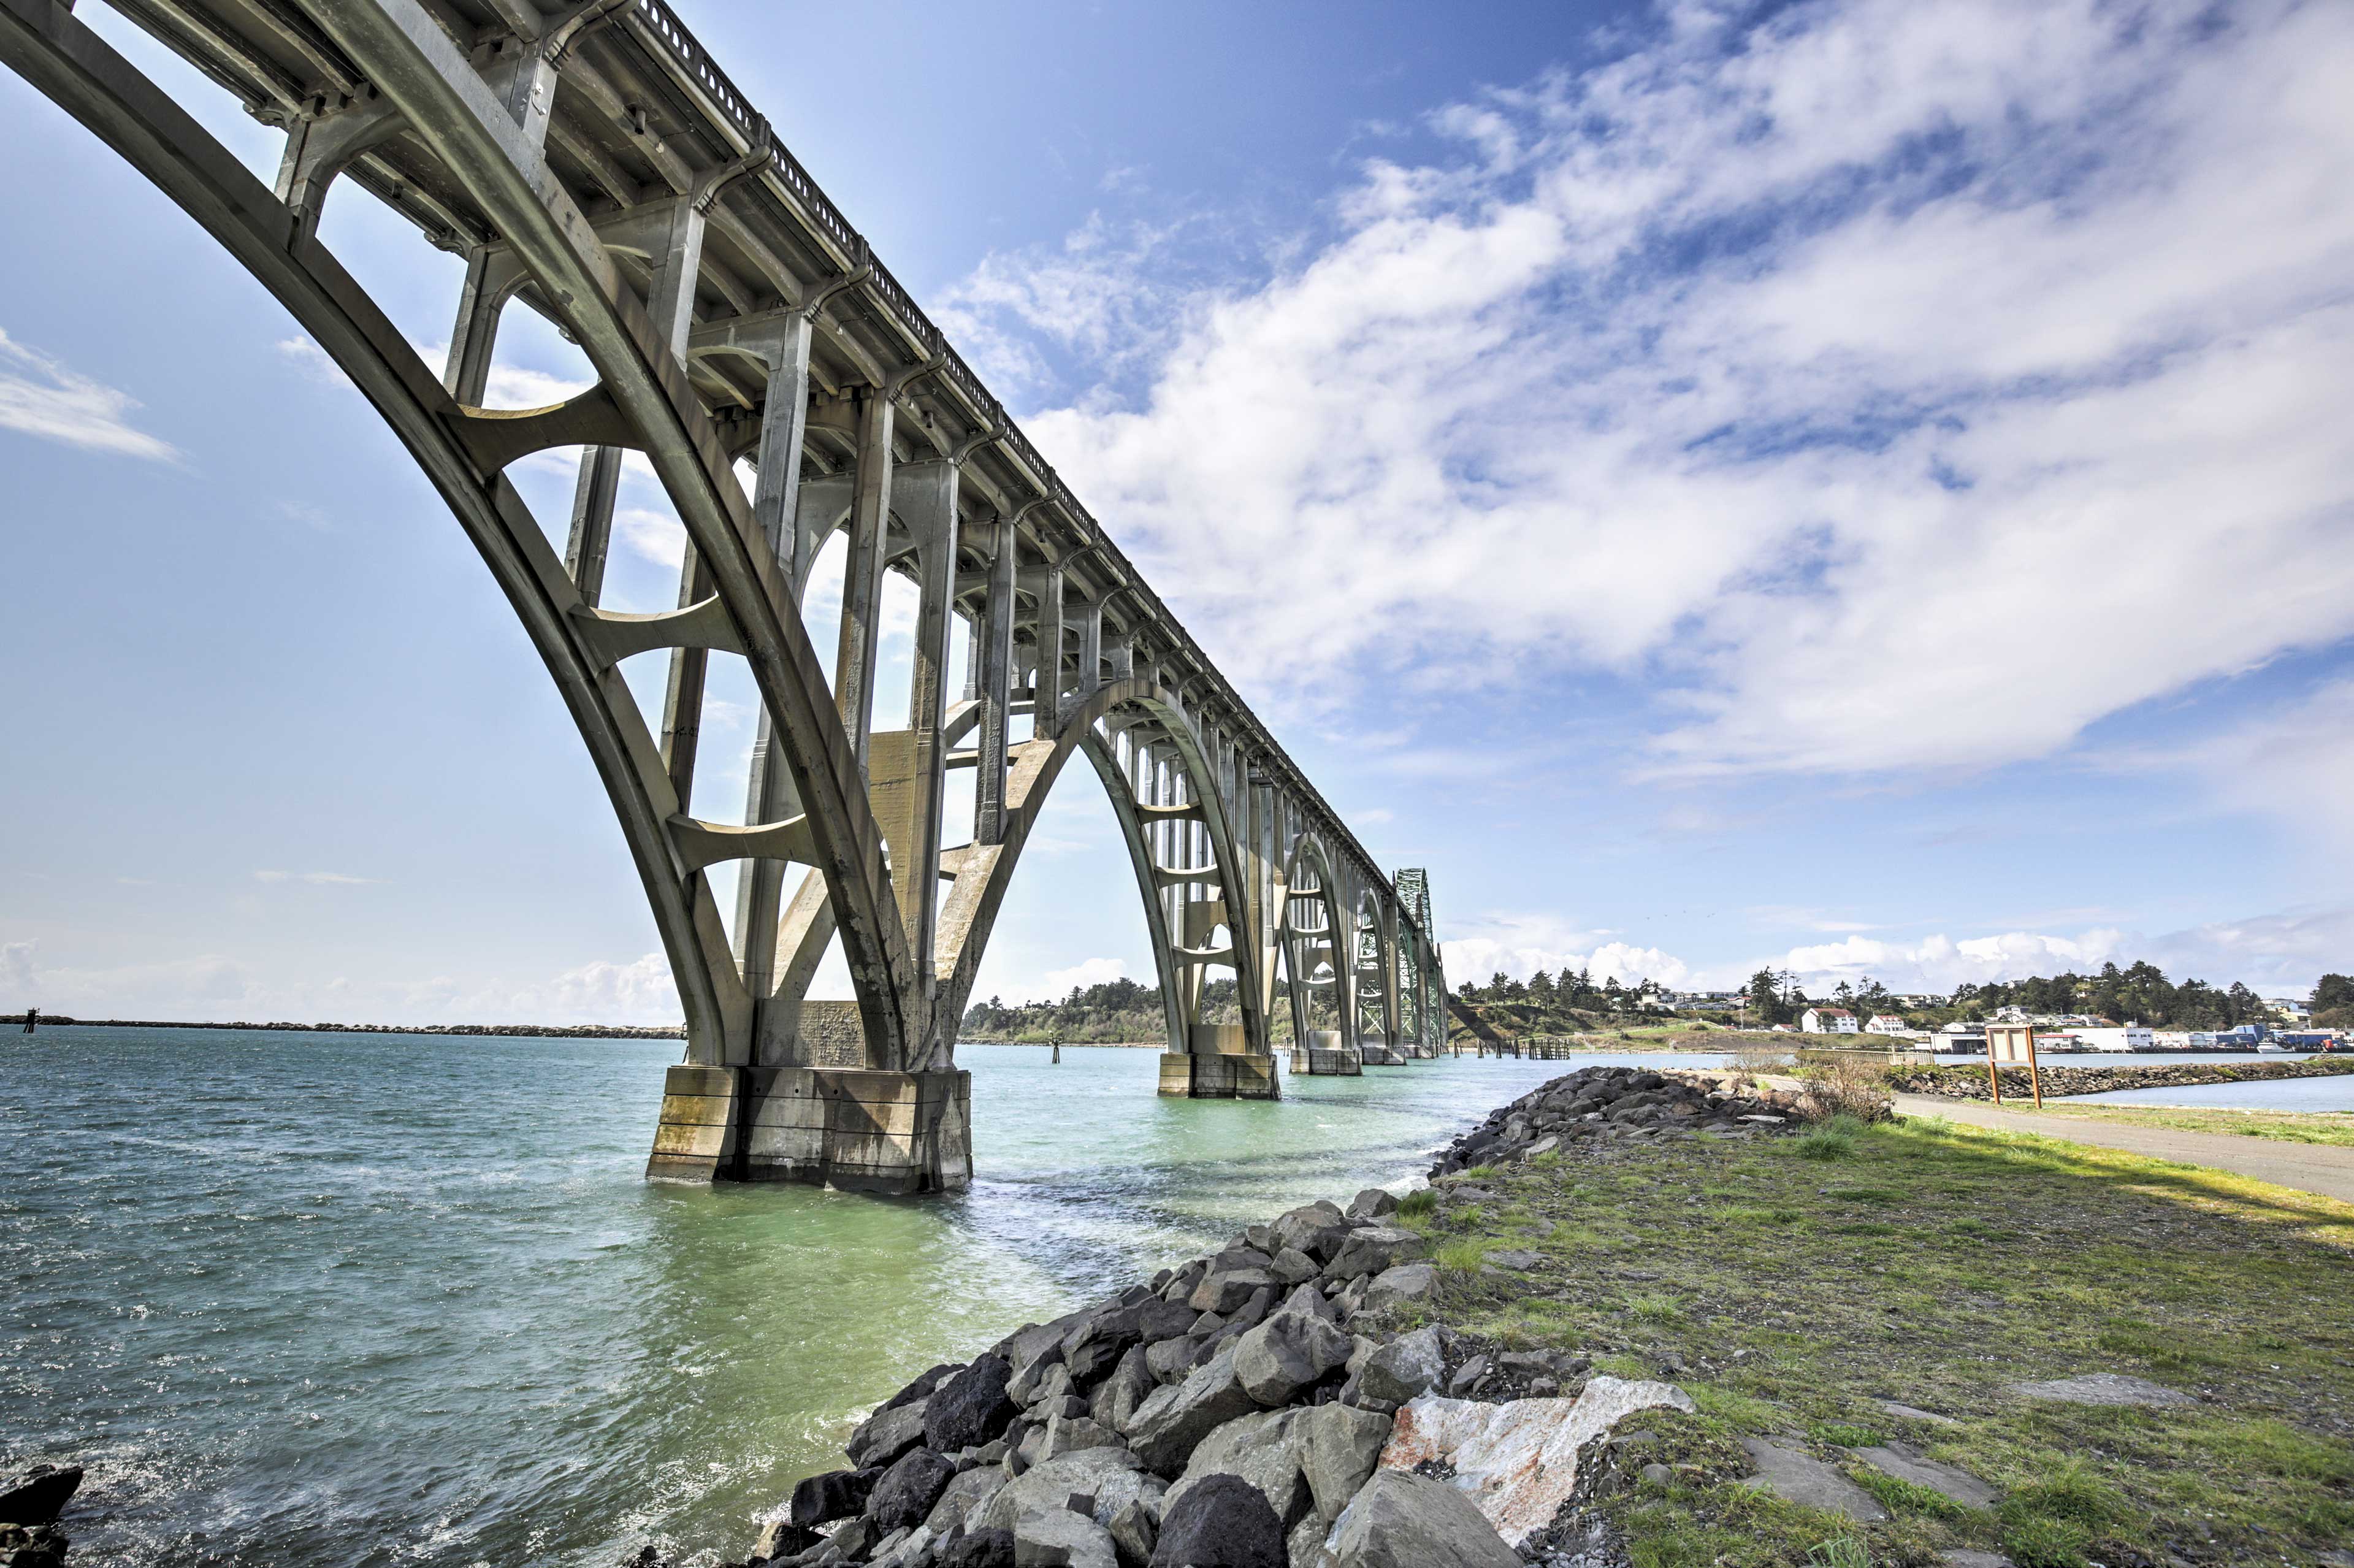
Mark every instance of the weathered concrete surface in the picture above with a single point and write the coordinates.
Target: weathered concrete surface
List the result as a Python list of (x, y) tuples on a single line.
[(2302, 1167), (855, 1131)]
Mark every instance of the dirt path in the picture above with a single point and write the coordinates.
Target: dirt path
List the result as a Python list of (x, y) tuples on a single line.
[(2307, 1167)]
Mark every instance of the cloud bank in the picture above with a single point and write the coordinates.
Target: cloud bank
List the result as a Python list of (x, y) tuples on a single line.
[(1892, 387)]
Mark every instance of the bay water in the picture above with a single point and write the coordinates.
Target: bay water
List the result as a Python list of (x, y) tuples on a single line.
[(355, 1299)]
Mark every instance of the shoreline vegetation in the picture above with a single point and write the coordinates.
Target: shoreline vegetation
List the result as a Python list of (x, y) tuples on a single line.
[(1646, 1320)]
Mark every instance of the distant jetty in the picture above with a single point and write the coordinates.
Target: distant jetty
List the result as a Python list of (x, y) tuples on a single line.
[(518, 1031)]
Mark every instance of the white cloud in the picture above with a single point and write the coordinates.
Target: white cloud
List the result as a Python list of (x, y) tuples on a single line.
[(317, 878), (40, 397), (1520, 944), (656, 535), (1894, 386), (2292, 764), (1086, 972)]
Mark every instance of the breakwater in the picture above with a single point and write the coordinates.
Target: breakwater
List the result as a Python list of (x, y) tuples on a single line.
[(1968, 1081), (488, 1031), (1267, 1402)]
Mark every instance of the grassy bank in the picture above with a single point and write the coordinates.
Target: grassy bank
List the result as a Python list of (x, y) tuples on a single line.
[(2335, 1127), (1791, 1284)]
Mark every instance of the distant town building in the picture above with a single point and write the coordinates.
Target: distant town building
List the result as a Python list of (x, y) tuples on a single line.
[(2125, 1037), (1827, 1020), (1886, 1024), (2289, 1010)]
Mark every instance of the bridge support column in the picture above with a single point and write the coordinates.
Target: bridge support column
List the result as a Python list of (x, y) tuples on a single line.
[(1322, 1054), (854, 1131), (1219, 1065)]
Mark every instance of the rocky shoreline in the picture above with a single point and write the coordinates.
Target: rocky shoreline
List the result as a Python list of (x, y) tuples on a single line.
[(1282, 1403), (1968, 1081)]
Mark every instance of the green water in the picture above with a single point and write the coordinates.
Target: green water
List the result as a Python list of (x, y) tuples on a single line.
[(359, 1300)]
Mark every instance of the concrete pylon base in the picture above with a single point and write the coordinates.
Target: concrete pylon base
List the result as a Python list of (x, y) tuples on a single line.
[(1322, 1054), (1219, 1077), (851, 1128), (1378, 1051)]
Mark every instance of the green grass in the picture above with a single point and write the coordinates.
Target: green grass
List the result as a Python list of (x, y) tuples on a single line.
[(1933, 1264)]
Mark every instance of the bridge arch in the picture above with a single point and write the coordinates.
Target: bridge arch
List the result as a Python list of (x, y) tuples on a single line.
[(1310, 886), (1147, 715)]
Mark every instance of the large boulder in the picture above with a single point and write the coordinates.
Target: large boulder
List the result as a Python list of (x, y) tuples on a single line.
[(837, 1494), (1288, 1352), (883, 1436), (39, 1495), (979, 1549), (1057, 1538), (1222, 1522), (1130, 1384), (1400, 1519), (1406, 1368), (1518, 1462), (1111, 1477), (1404, 1285), (971, 1407), (922, 1387), (1227, 1290), (1338, 1449), (965, 1493), (904, 1497), (1371, 1249), (1258, 1449), (1372, 1204), (1167, 1425)]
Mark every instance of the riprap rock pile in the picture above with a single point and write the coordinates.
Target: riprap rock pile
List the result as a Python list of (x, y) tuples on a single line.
[(1243, 1411), (1615, 1102)]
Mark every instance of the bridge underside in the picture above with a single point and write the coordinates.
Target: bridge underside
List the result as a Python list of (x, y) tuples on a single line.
[(592, 163)]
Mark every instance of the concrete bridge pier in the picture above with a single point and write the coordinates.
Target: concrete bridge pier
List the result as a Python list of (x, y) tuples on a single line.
[(1219, 1066), (855, 1129), (1322, 1054)]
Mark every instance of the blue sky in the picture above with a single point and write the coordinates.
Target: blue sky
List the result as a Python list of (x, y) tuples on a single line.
[(1854, 486)]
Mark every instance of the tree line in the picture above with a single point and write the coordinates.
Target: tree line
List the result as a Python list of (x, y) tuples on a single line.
[(2138, 992)]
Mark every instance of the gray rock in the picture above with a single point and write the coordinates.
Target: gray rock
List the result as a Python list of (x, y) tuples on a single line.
[(1967, 1557), (1168, 1426), (904, 1498), (837, 1494), (1338, 1449), (1227, 1290), (971, 1407), (1372, 1204), (1112, 1477), (887, 1433), (1050, 1384), (1407, 1283), (1519, 1260), (1311, 1222), (1400, 1519), (1795, 1476), (924, 1382), (984, 1549), (1133, 1529), (1308, 1297), (1161, 1320), (1910, 1413), (1369, 1250), (1070, 1434), (1168, 1359), (1293, 1267), (1222, 1522), (1408, 1366), (1258, 1449), (1130, 1385), (1058, 1538), (967, 1492), (1468, 1377), (1907, 1464), (1288, 1352), (2104, 1388)]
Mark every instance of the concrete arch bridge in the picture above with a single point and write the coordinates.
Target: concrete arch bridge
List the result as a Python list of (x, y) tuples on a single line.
[(591, 162)]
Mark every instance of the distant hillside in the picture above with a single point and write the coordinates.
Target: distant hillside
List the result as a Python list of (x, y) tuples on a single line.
[(1118, 1010)]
